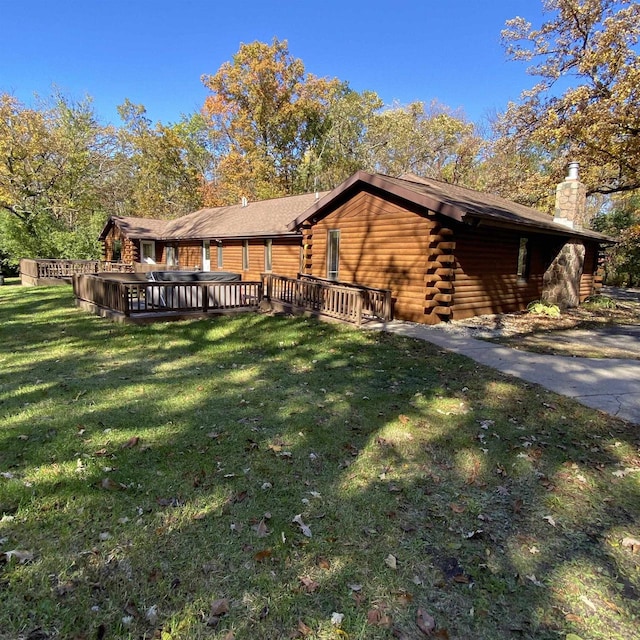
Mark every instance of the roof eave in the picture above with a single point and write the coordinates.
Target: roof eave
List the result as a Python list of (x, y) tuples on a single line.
[(380, 182)]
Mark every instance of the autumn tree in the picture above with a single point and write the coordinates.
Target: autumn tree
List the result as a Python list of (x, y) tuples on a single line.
[(267, 114), (52, 161), (586, 103), (427, 140), (160, 167)]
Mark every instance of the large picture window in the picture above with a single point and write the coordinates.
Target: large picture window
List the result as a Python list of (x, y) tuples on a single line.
[(333, 254)]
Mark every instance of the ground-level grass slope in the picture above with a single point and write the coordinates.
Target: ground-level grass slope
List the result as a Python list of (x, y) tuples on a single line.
[(150, 477)]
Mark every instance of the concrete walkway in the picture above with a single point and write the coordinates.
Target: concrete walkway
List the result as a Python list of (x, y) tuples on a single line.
[(610, 385)]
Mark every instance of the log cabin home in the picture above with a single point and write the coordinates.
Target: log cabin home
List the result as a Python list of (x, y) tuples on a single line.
[(446, 252)]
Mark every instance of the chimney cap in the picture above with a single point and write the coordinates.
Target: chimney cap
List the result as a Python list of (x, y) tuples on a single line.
[(573, 171)]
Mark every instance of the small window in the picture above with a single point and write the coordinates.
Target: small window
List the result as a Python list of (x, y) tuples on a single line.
[(523, 260), (268, 251), (220, 261), (116, 253), (148, 251), (333, 254), (245, 256)]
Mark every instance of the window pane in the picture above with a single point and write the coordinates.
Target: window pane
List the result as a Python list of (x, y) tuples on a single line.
[(220, 255), (267, 254), (245, 255), (333, 254)]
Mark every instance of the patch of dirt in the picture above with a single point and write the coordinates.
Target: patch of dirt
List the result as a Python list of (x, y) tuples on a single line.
[(588, 331)]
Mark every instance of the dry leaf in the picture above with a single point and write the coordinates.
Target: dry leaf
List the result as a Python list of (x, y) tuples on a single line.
[(263, 555), (391, 561), (457, 508), (303, 527), (309, 584), (219, 607), (405, 598), (131, 442), (337, 618), (261, 529), (112, 485), (323, 563), (425, 622), (631, 543), (19, 554), (550, 520), (304, 630)]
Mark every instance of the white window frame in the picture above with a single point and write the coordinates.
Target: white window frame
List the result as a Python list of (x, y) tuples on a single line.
[(206, 255), (268, 256), (146, 244)]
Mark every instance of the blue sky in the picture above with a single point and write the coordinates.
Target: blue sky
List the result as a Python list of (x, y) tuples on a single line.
[(154, 52)]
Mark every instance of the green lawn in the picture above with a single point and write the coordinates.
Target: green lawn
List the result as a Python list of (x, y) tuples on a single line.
[(150, 477)]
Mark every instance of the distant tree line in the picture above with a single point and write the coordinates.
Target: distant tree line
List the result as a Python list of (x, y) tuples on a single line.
[(268, 128)]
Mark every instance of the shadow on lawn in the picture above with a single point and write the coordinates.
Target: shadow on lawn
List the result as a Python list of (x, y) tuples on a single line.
[(447, 469)]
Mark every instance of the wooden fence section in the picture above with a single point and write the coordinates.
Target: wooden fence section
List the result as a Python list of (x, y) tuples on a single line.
[(39, 272), (147, 300), (342, 301)]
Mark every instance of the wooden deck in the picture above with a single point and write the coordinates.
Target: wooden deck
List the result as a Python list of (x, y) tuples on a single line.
[(39, 272), (128, 298), (337, 300), (135, 301)]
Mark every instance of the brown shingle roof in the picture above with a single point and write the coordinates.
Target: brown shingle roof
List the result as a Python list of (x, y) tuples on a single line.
[(263, 218), (453, 201), (136, 228)]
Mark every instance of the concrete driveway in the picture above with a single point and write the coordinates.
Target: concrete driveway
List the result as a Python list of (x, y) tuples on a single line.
[(609, 385)]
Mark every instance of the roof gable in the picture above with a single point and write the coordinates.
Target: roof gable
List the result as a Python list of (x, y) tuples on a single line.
[(453, 201)]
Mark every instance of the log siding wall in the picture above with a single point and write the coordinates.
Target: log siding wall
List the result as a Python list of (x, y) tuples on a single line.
[(285, 256), (382, 245)]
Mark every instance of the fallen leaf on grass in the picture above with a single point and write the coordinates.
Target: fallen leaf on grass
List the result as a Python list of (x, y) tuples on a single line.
[(303, 527), (425, 622), (457, 508), (337, 618), (391, 561), (631, 543), (112, 485), (376, 618), (303, 630), (219, 608), (18, 554), (309, 584), (261, 529), (131, 442), (263, 555), (550, 520), (323, 563)]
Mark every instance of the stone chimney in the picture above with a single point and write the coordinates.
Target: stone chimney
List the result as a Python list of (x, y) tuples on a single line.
[(571, 200)]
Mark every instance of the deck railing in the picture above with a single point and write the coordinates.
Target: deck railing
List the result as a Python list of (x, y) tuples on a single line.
[(39, 269), (343, 301), (186, 298)]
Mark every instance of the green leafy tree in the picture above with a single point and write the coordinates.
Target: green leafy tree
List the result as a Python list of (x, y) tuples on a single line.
[(586, 103), (427, 141), (52, 160), (159, 168), (622, 222)]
